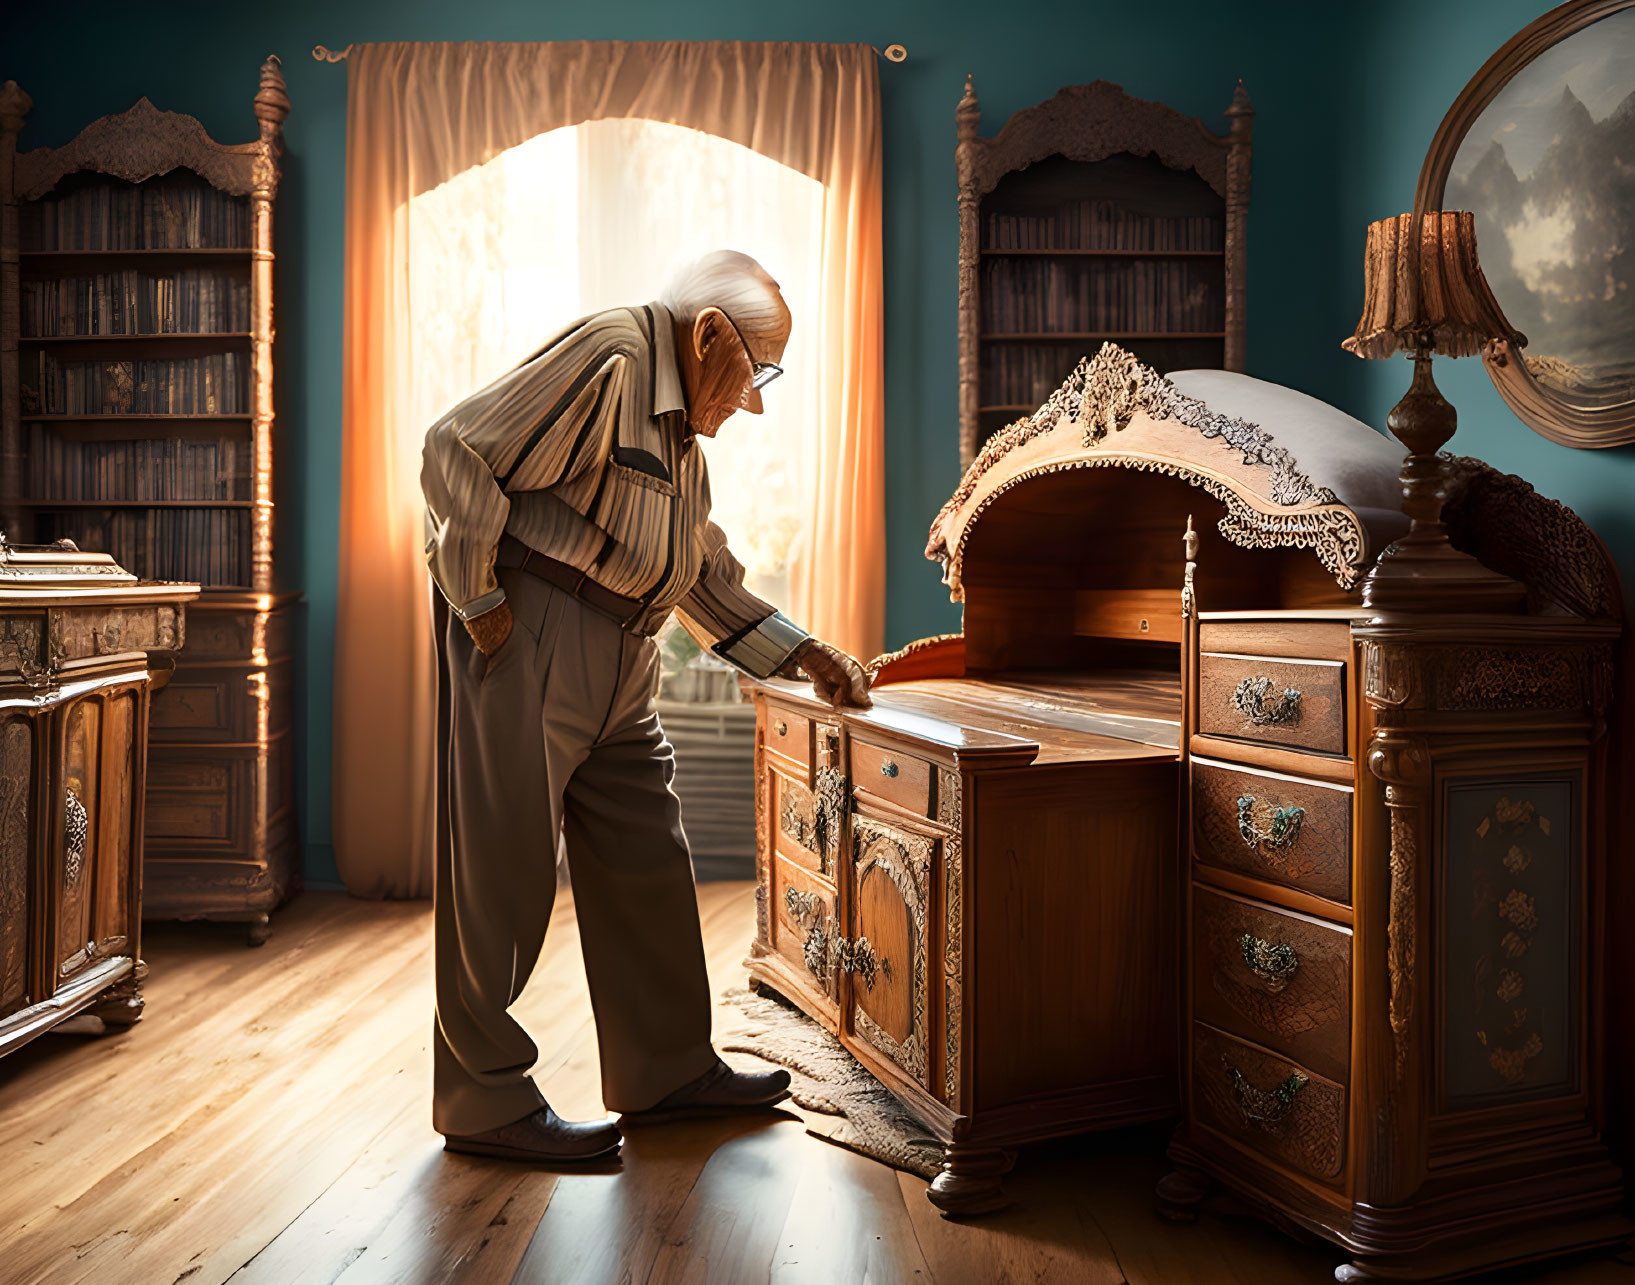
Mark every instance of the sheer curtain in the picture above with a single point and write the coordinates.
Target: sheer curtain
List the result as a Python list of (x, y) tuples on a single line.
[(496, 191)]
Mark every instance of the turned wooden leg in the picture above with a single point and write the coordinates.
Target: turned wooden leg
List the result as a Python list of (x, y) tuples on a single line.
[(971, 1181), (260, 930), (1180, 1192)]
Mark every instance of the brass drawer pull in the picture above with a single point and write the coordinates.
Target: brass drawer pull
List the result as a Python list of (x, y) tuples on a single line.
[(888, 768), (1274, 965), (782, 727), (1282, 830), (1262, 1109), (1250, 698)]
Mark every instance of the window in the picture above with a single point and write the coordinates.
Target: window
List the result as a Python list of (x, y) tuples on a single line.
[(600, 215)]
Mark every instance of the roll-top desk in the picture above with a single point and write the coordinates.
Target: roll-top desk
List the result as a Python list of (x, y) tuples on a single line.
[(82, 647), (1176, 827)]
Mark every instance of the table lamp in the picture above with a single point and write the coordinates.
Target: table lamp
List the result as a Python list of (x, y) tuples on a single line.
[(1426, 294)]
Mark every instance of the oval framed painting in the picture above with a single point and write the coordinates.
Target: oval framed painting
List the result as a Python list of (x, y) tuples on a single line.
[(1540, 146)]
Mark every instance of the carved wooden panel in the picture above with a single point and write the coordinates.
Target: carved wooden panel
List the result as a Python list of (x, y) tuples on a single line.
[(1273, 827), (886, 954), (191, 800), (16, 817), (115, 860), (80, 633), (1277, 978), (81, 834), (23, 654), (1299, 704), (805, 928), (950, 812), (1269, 1104), (219, 635), (1514, 860), (892, 775)]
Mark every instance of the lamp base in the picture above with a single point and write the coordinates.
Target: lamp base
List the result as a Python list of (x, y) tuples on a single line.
[(1423, 572)]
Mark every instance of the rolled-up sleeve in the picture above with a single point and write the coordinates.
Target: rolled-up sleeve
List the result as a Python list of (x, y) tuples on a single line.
[(722, 615)]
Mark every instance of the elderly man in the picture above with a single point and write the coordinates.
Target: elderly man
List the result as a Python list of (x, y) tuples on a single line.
[(567, 517)]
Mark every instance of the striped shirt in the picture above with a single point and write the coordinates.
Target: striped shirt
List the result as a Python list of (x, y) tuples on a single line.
[(583, 453)]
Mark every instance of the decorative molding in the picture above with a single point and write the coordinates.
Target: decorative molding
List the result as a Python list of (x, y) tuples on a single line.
[(903, 653), (1511, 678), (1507, 525), (953, 873), (1100, 398), (1403, 763), (140, 143)]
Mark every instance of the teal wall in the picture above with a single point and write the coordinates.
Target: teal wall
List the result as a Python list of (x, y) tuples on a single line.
[(1347, 106)]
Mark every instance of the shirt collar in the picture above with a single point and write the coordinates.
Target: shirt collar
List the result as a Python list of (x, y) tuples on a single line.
[(667, 392)]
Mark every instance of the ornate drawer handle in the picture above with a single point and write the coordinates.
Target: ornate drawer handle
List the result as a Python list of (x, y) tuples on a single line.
[(781, 727), (1274, 965), (1259, 1108), (858, 957), (801, 905), (1283, 829), (888, 768), (1250, 697)]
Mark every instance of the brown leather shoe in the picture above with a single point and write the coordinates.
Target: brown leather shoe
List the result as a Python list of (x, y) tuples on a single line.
[(543, 1137), (719, 1091)]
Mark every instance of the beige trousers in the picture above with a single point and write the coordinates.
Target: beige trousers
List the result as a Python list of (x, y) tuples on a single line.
[(558, 734)]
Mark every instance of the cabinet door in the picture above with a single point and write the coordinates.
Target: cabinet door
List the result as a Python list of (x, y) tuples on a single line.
[(885, 956), (17, 817)]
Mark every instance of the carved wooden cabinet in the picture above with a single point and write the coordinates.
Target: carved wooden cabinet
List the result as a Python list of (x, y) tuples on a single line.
[(902, 844), (78, 662), (136, 414)]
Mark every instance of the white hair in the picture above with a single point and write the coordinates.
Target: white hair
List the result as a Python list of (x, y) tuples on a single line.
[(734, 283)]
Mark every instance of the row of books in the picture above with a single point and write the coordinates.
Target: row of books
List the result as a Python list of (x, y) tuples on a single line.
[(178, 211), (1027, 374), (137, 303), (209, 546), (1102, 225), (215, 384), (150, 469), (1101, 295)]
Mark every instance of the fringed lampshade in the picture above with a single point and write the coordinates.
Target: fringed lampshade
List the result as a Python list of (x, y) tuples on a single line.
[(1425, 293), (1437, 298)]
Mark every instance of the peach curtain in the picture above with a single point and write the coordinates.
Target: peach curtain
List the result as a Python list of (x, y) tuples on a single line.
[(419, 114)]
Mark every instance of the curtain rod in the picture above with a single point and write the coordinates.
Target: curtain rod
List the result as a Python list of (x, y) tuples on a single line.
[(320, 53)]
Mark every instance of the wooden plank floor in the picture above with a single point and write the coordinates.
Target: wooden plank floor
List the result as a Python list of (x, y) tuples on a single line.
[(268, 1122)]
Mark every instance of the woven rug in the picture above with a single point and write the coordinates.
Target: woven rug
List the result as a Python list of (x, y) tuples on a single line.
[(838, 1100)]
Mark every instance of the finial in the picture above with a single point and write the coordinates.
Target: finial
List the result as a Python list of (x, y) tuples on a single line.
[(14, 105), (272, 100)]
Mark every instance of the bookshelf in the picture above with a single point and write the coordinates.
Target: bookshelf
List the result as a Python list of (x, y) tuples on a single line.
[(1091, 218), (136, 418)]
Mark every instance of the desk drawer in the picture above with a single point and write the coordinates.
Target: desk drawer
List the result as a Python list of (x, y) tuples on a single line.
[(1280, 979), (788, 734), (1274, 827), (1295, 703), (1269, 1104), (893, 776)]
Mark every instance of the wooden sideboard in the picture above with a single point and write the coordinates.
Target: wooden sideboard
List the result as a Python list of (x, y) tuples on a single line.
[(1175, 825), (78, 664)]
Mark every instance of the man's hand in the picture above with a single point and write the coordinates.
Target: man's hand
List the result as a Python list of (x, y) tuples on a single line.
[(490, 630), (838, 678)]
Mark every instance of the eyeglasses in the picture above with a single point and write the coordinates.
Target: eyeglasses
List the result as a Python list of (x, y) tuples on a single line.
[(761, 373)]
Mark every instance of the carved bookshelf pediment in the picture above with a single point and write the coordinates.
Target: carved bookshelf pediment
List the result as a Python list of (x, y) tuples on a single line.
[(1092, 122), (144, 142)]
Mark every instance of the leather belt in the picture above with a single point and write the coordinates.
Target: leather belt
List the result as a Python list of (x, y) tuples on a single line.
[(627, 613)]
